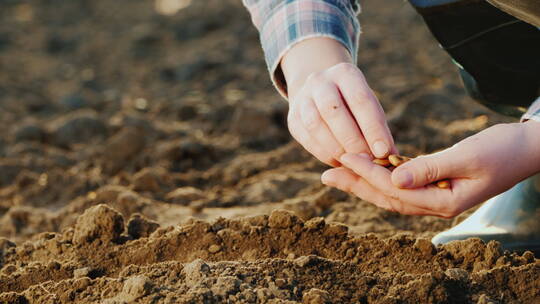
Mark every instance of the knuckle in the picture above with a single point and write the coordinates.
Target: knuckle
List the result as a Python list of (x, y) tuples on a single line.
[(292, 123), (371, 129), (346, 71), (345, 66), (361, 98), (395, 206), (350, 187), (392, 196), (311, 120), (315, 78), (353, 142), (328, 102), (384, 204), (430, 170)]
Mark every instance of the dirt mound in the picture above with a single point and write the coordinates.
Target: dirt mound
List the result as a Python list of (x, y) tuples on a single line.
[(145, 158), (260, 258)]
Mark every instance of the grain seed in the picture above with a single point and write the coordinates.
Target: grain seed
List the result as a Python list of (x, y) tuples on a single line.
[(397, 160), (381, 162), (443, 184)]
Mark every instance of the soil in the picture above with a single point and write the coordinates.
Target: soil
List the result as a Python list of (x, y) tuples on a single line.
[(145, 158)]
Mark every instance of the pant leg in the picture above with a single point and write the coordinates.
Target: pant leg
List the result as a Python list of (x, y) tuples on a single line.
[(496, 53)]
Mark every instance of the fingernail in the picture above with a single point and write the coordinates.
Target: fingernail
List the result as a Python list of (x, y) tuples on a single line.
[(325, 179), (403, 178), (380, 148), (327, 182)]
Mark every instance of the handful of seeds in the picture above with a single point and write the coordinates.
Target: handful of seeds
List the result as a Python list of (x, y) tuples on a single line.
[(393, 161)]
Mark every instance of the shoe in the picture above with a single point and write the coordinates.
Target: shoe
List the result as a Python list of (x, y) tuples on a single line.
[(511, 218)]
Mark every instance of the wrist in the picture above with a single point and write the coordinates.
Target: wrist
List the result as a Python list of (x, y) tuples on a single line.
[(311, 56)]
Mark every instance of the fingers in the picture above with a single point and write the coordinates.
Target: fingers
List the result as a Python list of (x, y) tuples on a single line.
[(427, 169), (361, 164), (345, 180), (438, 201), (366, 110), (322, 116), (338, 118), (304, 138), (318, 129)]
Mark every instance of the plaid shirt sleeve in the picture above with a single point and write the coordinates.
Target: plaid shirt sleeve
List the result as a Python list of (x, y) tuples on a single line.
[(533, 113), (283, 23)]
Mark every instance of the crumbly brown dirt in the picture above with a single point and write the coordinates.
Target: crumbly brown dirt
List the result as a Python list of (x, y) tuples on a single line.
[(145, 158)]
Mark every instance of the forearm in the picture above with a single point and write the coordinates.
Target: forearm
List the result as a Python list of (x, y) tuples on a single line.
[(532, 142), (311, 56)]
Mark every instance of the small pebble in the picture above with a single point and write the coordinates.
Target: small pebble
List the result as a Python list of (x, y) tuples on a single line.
[(214, 248), (195, 271), (81, 272), (529, 256), (282, 219), (136, 287), (316, 296), (457, 274), (424, 246)]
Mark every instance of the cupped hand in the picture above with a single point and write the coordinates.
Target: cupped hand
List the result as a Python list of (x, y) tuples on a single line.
[(479, 167), (335, 112)]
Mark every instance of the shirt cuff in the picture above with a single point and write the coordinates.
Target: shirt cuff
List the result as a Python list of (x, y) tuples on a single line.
[(533, 113), (294, 21)]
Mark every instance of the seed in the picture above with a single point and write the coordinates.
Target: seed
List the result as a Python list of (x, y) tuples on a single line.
[(381, 162), (443, 184), (393, 161), (397, 160)]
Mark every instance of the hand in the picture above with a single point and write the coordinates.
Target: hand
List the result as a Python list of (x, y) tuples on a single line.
[(332, 109), (478, 168)]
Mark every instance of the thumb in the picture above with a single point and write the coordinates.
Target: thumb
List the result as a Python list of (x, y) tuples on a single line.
[(425, 170)]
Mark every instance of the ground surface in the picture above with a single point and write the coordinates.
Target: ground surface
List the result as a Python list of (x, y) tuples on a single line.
[(165, 134)]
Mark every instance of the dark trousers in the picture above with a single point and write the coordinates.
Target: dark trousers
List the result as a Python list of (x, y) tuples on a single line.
[(497, 54)]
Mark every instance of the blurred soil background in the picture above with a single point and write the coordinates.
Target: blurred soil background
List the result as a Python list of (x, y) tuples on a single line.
[(144, 157)]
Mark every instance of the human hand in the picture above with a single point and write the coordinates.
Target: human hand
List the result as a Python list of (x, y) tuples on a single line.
[(332, 109), (478, 168)]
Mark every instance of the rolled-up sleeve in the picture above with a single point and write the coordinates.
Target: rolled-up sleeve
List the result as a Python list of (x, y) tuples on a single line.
[(533, 113), (283, 23)]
